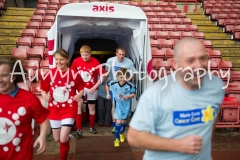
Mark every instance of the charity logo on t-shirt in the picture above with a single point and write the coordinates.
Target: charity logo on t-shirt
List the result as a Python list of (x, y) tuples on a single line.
[(9, 127), (196, 116), (87, 75)]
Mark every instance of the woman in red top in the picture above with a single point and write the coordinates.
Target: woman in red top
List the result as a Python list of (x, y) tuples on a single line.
[(62, 83), (17, 109)]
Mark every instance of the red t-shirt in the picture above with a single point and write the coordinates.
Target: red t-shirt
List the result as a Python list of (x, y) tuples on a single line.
[(62, 87), (16, 114), (88, 70)]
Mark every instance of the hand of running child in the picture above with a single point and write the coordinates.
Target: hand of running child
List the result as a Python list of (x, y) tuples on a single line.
[(77, 98), (42, 144), (191, 144), (47, 97), (126, 97), (91, 91)]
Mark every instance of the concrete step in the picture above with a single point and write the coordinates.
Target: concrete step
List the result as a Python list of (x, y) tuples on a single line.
[(214, 35), (235, 61), (10, 32), (18, 17), (15, 20), (229, 52), (202, 22), (13, 24), (18, 9), (6, 49), (196, 17), (223, 42), (208, 28), (226, 45)]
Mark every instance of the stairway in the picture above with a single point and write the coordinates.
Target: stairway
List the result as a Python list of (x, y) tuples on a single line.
[(230, 49), (13, 21)]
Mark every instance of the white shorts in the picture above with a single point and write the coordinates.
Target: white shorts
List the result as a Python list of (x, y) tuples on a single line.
[(90, 96), (55, 124)]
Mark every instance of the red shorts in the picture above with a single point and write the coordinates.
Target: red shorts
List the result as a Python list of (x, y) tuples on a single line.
[(60, 113)]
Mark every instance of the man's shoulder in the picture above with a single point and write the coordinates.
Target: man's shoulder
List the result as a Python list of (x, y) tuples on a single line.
[(214, 81)]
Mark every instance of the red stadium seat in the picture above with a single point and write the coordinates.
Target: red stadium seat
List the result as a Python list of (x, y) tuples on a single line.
[(40, 12), (172, 4), (235, 75), (32, 64), (35, 54), (153, 20), (193, 28), (43, 1), (24, 41), (161, 34), (50, 12), (213, 65), (181, 15), (181, 27), (131, 3), (162, 4), (32, 25), (152, 34), (154, 43), (48, 18), (41, 33), (215, 55), (74, 1), (164, 20), (225, 65), (56, 2), (45, 25), (171, 15), (36, 18), (44, 64), (52, 7), (28, 33), (176, 21), (177, 10), (39, 42), (63, 2), (22, 85), (156, 9), (42, 72), (19, 53), (158, 54), (163, 64), (124, 2), (157, 27), (147, 9), (160, 14), (35, 88), (186, 34), (186, 21), (169, 53), (169, 27), (173, 35), (150, 14), (207, 43), (167, 9), (198, 35), (143, 4), (152, 4), (163, 43), (42, 6)]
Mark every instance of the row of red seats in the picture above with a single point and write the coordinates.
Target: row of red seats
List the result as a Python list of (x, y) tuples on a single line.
[(39, 18), (3, 5), (175, 34), (156, 20), (159, 9), (223, 15), (173, 27), (30, 53), (161, 15)]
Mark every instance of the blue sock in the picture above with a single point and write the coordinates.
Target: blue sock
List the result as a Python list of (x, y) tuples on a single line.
[(113, 124), (117, 130), (123, 126)]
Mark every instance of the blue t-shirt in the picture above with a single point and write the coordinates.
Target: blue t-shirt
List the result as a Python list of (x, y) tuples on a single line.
[(122, 106), (175, 112), (115, 65)]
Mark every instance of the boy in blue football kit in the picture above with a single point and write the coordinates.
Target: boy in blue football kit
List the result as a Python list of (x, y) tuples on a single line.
[(123, 91)]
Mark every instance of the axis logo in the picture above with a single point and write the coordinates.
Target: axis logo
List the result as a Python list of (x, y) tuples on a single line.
[(105, 8)]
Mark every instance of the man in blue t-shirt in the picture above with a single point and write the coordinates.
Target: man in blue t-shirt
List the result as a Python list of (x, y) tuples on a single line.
[(177, 122), (114, 63)]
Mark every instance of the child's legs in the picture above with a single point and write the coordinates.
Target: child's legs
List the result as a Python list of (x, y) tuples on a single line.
[(67, 124), (56, 128), (92, 99)]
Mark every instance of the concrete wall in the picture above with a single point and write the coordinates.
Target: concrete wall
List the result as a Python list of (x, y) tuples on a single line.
[(11, 3)]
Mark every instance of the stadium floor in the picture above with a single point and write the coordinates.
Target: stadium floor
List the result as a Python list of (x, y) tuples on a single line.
[(226, 146)]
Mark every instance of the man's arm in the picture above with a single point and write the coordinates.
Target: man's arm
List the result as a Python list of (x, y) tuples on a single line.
[(41, 140), (189, 144)]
